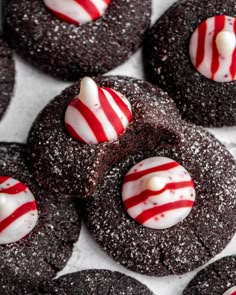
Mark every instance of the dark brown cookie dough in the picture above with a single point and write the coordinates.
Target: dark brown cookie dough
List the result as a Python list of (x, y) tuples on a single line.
[(24, 265), (68, 51), (7, 75), (215, 279), (189, 244), (167, 64), (96, 282), (64, 164)]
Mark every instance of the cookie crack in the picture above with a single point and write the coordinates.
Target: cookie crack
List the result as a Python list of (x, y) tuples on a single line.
[(202, 243), (162, 261)]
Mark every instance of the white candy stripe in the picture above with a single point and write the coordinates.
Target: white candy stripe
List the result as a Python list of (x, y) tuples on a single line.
[(120, 114), (8, 183), (160, 200), (98, 111), (19, 228), (225, 62), (69, 8), (97, 114), (74, 118), (231, 291), (205, 65), (134, 187), (76, 11), (18, 213), (13, 202), (209, 61), (148, 163), (100, 5), (170, 192)]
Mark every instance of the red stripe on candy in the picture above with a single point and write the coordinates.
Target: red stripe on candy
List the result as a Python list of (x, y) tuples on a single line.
[(63, 17), (143, 196), (150, 213), (90, 8), (109, 112), (137, 175), (73, 133), (201, 43), (233, 63), (3, 179), (15, 189), (123, 107), (25, 208), (107, 1), (91, 119), (219, 26)]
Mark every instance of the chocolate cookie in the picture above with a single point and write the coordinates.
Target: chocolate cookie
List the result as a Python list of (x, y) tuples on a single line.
[(96, 282), (28, 262), (7, 75), (219, 278), (189, 65), (162, 248), (70, 51), (62, 163)]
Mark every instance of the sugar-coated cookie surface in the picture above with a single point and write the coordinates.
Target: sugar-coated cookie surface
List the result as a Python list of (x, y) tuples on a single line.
[(7, 75), (218, 278), (200, 100), (96, 282), (25, 264), (65, 164), (71, 51), (190, 243)]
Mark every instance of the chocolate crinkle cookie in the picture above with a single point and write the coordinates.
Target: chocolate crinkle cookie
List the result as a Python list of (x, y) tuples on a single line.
[(190, 53), (69, 149), (7, 75), (37, 228), (159, 194), (218, 278), (167, 210), (70, 39), (96, 282)]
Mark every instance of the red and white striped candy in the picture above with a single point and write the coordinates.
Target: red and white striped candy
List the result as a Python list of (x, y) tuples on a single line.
[(18, 211), (97, 114), (213, 48), (77, 11), (158, 192), (231, 291)]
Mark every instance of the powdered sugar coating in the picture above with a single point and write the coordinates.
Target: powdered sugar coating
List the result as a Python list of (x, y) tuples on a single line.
[(64, 164), (71, 52), (168, 64), (190, 243), (7, 75), (217, 278), (45, 250), (96, 281)]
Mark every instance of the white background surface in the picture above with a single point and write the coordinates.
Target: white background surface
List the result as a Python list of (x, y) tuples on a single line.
[(32, 91)]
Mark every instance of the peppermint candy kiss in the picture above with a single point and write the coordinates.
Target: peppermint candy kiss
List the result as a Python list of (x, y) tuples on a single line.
[(77, 11), (213, 48), (97, 114), (158, 192), (18, 212), (231, 291)]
